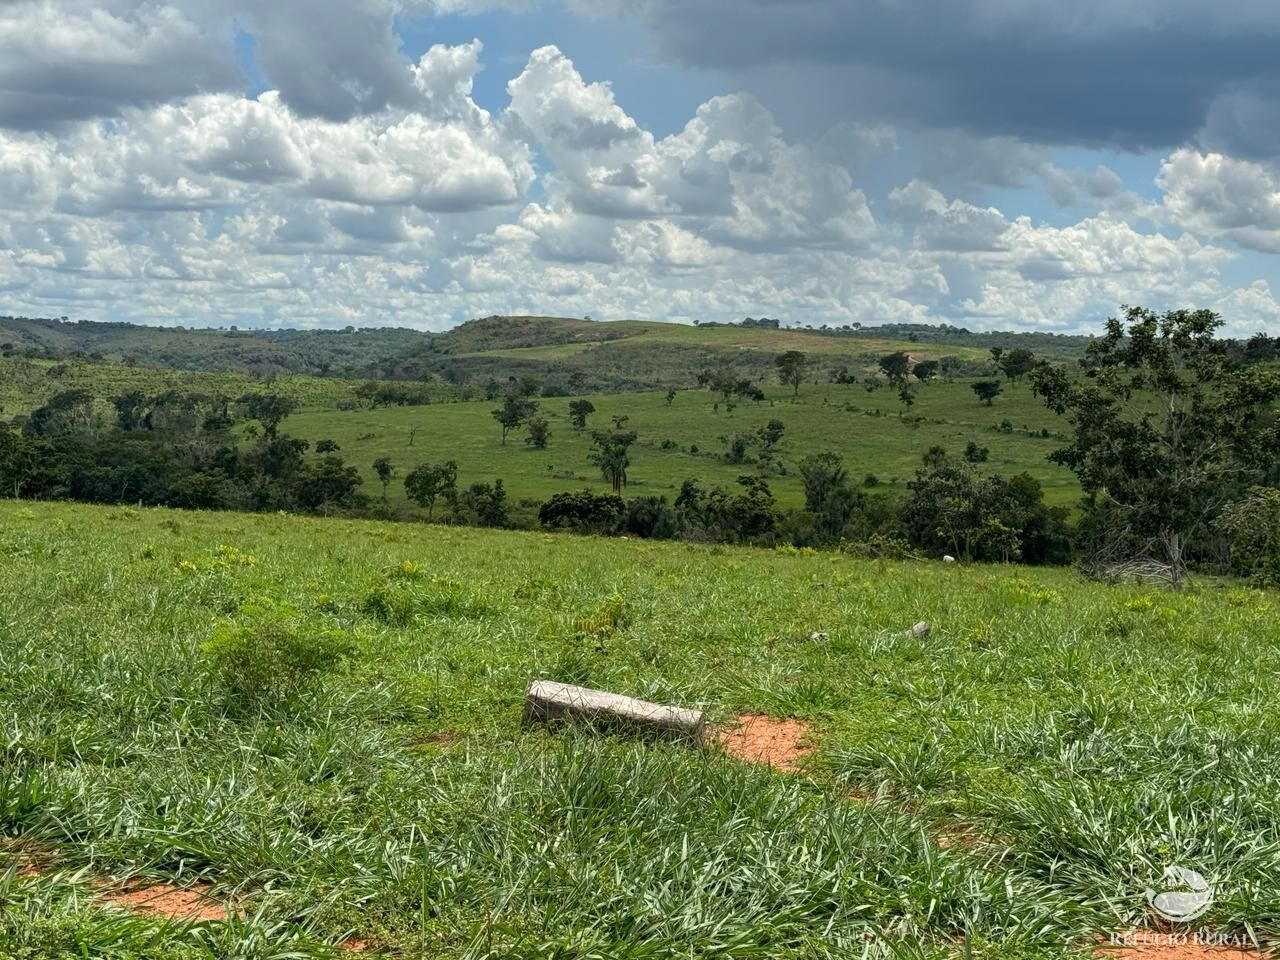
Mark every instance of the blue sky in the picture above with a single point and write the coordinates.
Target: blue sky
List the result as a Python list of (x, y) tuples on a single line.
[(990, 164)]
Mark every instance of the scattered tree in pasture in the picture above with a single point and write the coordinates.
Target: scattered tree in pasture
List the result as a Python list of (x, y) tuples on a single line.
[(895, 367), (538, 432), (579, 410), (327, 446), (987, 390), (385, 470), (430, 482), (791, 369), (513, 412), (1017, 363), (925, 370), (671, 395), (612, 455)]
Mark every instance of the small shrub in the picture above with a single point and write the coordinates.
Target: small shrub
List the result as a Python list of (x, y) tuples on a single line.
[(391, 604), (612, 616), (272, 661)]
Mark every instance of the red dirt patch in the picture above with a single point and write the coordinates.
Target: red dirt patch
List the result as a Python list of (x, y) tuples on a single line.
[(170, 902), (761, 739), (355, 945), (1150, 945)]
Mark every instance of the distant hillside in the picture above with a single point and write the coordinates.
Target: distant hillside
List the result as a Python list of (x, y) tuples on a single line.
[(350, 352), (570, 355), (565, 355)]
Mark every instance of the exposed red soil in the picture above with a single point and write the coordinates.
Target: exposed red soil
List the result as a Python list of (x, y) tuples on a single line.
[(170, 902), (355, 945), (1150, 945), (760, 739)]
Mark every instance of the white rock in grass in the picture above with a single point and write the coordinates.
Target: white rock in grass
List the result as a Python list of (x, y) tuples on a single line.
[(547, 701), (919, 631), (818, 635), (948, 558)]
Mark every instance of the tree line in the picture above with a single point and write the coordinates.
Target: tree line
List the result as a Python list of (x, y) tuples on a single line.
[(1173, 434)]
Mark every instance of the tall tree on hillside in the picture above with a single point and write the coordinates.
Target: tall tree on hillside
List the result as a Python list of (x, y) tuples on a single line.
[(429, 482), (987, 390), (385, 470), (612, 455), (791, 368), (268, 409), (925, 370), (539, 432), (1165, 430), (1017, 363), (895, 366), (513, 412), (579, 410)]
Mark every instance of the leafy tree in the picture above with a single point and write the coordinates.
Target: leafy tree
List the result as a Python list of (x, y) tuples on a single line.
[(1017, 363), (827, 494), (671, 395), (513, 412), (652, 517), (385, 470), (539, 432), (327, 446), (791, 369), (66, 412), (950, 366), (612, 457), (429, 482), (974, 453), (483, 505), (579, 410), (327, 483), (1165, 430), (131, 409), (583, 511), (841, 374), (907, 396), (925, 370), (987, 390), (269, 409), (895, 366), (952, 509)]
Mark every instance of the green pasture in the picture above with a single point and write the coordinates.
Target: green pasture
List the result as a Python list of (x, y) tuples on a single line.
[(1007, 786), (872, 430)]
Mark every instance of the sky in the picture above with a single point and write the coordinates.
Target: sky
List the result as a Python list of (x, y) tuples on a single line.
[(992, 164)]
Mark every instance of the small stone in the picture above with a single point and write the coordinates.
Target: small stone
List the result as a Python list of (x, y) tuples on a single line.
[(948, 558), (817, 635), (919, 631)]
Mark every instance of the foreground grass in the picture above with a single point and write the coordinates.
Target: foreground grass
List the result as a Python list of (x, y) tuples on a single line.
[(1072, 740)]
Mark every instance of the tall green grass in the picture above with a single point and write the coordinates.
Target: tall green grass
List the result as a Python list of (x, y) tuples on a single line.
[(1005, 787)]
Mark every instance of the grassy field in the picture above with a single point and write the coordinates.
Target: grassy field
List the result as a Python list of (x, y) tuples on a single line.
[(864, 427), (1004, 788), (26, 384)]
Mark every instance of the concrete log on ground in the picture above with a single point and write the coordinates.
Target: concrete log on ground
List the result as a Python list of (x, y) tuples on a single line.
[(548, 701)]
